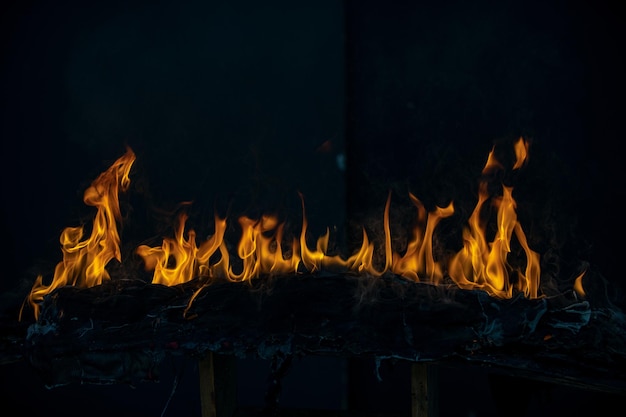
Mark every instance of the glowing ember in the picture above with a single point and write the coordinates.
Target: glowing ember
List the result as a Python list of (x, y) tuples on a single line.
[(263, 250)]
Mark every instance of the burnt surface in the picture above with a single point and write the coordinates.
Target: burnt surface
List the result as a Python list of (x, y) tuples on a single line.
[(120, 331)]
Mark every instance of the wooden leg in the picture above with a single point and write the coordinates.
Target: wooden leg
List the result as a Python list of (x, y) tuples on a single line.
[(423, 390), (207, 386)]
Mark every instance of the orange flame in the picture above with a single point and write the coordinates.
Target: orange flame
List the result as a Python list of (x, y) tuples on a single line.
[(482, 264), (84, 261), (578, 285), (263, 249)]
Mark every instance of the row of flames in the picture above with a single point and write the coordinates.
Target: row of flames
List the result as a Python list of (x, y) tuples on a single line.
[(262, 249)]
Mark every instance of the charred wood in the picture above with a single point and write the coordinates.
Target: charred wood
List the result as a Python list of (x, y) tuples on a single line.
[(120, 331)]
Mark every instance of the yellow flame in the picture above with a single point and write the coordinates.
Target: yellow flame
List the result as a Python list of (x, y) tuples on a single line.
[(418, 262), (175, 260), (483, 264), (262, 250), (521, 153), (84, 261)]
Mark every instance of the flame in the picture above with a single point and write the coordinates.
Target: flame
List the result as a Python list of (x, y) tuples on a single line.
[(483, 264), (418, 260), (263, 249), (84, 261), (578, 285)]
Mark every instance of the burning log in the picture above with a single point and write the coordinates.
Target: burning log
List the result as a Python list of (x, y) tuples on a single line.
[(119, 331), (279, 299)]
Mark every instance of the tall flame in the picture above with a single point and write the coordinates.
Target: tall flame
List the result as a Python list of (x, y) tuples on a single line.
[(263, 249), (84, 261), (482, 264)]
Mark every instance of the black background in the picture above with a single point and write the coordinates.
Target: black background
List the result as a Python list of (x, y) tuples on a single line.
[(237, 106)]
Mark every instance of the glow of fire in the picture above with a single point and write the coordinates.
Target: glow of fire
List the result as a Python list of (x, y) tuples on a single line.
[(84, 261), (263, 250), (482, 264)]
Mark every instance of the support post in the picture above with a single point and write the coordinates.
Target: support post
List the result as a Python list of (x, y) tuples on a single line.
[(423, 390), (218, 385), (207, 386)]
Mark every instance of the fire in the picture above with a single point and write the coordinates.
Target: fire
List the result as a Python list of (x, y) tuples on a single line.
[(482, 264), (84, 261), (263, 249)]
